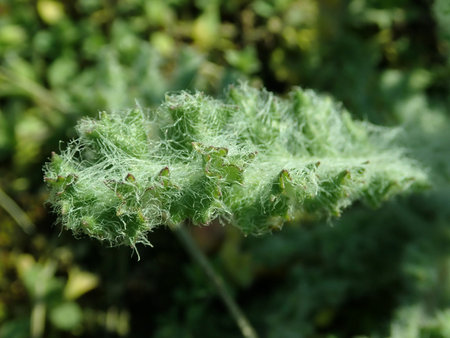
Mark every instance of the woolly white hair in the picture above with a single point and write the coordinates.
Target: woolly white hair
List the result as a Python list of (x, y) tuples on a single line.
[(253, 160)]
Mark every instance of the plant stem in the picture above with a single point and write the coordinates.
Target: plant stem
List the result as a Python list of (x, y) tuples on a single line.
[(37, 92), (21, 218), (244, 325)]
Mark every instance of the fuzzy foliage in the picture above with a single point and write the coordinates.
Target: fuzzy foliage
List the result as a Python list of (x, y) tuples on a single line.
[(253, 160)]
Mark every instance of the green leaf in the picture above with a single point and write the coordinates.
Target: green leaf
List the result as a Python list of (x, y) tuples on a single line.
[(66, 316), (17, 328), (253, 159), (79, 283)]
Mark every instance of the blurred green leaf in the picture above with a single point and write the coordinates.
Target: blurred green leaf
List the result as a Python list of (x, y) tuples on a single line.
[(12, 36), (246, 60), (206, 28), (79, 283), (62, 70), (66, 316), (17, 328), (50, 11), (441, 9)]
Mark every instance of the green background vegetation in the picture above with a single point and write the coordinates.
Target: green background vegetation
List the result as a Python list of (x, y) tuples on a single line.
[(374, 273)]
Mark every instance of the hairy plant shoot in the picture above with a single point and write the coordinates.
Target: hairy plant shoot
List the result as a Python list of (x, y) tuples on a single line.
[(253, 160)]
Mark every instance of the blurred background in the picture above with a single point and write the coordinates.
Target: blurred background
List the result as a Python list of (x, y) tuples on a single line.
[(372, 273)]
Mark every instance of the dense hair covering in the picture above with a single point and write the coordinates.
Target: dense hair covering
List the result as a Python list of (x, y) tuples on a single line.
[(252, 159)]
